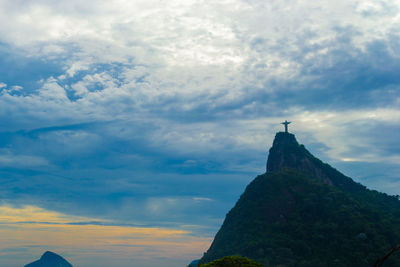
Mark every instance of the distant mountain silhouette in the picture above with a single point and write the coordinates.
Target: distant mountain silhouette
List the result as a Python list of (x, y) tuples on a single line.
[(303, 212), (50, 259)]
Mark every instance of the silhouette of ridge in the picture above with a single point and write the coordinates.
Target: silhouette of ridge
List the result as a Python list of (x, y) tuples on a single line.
[(303, 212), (50, 259)]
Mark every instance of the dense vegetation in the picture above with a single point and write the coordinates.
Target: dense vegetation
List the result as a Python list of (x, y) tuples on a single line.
[(232, 261), (308, 214)]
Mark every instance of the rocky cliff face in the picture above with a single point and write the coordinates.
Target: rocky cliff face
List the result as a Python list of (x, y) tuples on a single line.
[(303, 212), (50, 259), (286, 153)]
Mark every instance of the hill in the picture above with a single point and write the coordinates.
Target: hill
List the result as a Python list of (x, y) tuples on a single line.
[(303, 212), (50, 259)]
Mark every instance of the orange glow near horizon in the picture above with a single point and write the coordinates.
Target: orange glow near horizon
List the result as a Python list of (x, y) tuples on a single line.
[(37, 229)]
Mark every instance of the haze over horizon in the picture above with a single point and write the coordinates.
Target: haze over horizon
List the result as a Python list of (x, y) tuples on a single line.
[(128, 129)]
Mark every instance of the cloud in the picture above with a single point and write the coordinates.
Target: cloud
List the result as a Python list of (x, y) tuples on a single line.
[(355, 126), (21, 161), (29, 214), (159, 115)]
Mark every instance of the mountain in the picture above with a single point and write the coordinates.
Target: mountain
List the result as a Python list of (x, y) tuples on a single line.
[(303, 212), (50, 259)]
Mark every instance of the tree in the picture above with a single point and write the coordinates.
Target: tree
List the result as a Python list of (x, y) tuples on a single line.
[(232, 261)]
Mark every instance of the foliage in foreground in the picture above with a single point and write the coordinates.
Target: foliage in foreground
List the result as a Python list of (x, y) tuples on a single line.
[(232, 261)]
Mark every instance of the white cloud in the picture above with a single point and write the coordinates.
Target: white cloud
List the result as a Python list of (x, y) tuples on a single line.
[(201, 199), (341, 130), (182, 39), (8, 159), (198, 53), (52, 91)]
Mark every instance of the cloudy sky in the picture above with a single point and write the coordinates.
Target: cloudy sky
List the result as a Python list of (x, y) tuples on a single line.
[(128, 129)]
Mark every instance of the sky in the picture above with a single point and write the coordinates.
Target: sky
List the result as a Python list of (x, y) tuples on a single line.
[(128, 129)]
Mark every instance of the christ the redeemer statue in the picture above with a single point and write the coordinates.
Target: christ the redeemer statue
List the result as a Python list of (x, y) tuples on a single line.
[(286, 123)]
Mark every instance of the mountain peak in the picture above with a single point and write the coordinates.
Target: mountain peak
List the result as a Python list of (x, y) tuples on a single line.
[(50, 255), (50, 259), (285, 152), (285, 139)]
